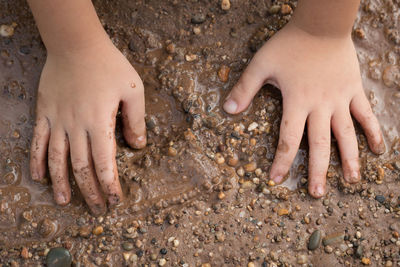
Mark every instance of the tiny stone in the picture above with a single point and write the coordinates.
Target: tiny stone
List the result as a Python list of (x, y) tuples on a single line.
[(250, 264), (286, 9), (58, 257), (190, 57), (366, 261), (328, 249), (198, 18), (223, 73), (220, 236), (225, 5), (219, 159), (233, 160), (380, 198), (250, 167), (172, 151), (274, 9), (315, 240), (127, 246), (6, 30), (301, 259), (196, 30), (170, 48), (162, 262), (98, 230), (359, 251)]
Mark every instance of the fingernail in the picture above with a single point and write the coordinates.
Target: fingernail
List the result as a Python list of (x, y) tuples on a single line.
[(319, 191), (61, 199), (230, 106), (354, 176), (140, 141), (381, 148), (278, 179)]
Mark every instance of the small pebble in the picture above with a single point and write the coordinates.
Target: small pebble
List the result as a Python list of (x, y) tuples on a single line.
[(98, 230), (250, 167), (190, 57), (219, 159), (223, 73), (58, 257), (127, 246), (380, 198), (366, 261), (162, 262), (315, 240), (198, 18), (328, 249), (225, 5), (286, 9), (274, 9), (359, 251), (301, 259), (172, 151), (7, 30), (233, 160)]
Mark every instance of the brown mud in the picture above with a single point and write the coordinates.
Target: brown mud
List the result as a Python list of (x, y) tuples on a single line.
[(198, 194)]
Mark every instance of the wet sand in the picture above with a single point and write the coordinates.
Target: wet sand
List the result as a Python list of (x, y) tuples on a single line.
[(198, 194)]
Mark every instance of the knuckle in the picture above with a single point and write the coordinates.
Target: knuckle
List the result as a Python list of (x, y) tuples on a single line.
[(79, 165), (346, 131), (321, 142)]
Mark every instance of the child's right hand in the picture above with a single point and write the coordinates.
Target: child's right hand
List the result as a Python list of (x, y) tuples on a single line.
[(78, 99)]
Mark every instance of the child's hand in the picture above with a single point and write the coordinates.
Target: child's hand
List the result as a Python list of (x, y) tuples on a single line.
[(78, 99), (320, 82)]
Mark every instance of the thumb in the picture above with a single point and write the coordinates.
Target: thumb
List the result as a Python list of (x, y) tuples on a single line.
[(133, 121), (246, 88)]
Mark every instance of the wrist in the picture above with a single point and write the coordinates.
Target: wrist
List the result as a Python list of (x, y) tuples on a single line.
[(78, 44)]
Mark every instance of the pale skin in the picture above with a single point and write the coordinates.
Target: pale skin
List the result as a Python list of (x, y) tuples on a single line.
[(313, 62), (85, 78)]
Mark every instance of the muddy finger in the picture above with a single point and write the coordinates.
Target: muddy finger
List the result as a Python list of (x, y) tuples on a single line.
[(40, 141), (84, 173), (58, 166)]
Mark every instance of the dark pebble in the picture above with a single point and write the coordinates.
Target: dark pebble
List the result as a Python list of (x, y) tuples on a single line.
[(163, 251), (25, 50), (127, 246), (359, 252), (139, 253), (380, 198), (315, 240), (58, 257), (132, 46), (198, 18)]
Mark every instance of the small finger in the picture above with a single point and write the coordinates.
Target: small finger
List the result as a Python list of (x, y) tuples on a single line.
[(103, 152), (58, 165), (40, 141), (133, 113), (319, 140), (343, 129), (291, 133), (84, 172), (362, 112)]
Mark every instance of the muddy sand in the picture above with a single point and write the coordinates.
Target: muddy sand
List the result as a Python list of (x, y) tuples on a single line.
[(198, 194)]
